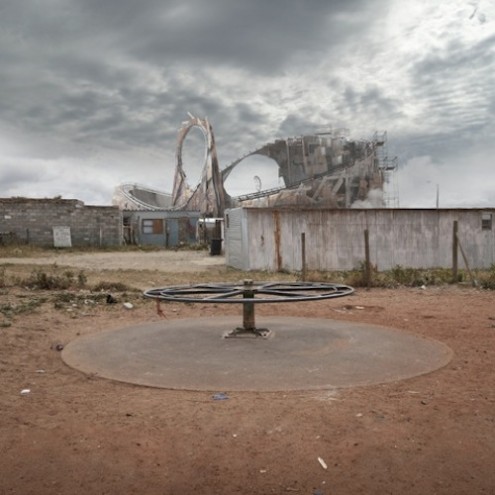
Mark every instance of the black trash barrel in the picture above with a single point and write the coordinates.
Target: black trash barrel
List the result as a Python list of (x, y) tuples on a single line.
[(216, 247)]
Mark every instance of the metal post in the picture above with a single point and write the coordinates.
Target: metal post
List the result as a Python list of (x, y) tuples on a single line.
[(248, 322)]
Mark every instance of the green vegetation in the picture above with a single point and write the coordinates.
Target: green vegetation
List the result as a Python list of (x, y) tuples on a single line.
[(9, 310), (486, 278), (25, 289), (30, 251), (56, 278), (400, 276), (65, 289), (106, 286), (42, 280)]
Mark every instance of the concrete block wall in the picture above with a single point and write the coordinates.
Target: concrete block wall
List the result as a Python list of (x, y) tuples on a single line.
[(31, 221)]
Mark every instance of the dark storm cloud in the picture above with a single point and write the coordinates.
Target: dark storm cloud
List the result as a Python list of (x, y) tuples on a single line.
[(19, 174), (295, 125), (65, 71), (259, 35), (371, 100)]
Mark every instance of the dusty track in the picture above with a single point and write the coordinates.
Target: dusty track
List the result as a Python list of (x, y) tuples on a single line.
[(169, 261), (77, 434)]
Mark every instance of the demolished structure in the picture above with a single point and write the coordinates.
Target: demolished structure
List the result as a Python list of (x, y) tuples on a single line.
[(209, 197), (138, 197), (325, 169)]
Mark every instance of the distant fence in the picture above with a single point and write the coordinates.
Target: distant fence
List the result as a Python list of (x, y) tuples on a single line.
[(270, 239)]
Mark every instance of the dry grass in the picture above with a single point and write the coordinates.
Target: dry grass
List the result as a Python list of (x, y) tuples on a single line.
[(132, 279)]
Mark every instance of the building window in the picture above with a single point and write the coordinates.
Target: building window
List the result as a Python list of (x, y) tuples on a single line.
[(152, 226), (486, 221)]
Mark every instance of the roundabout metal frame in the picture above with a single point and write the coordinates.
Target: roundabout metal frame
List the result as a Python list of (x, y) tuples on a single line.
[(249, 293)]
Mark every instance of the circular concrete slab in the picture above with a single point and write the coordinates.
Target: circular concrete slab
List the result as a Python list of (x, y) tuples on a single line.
[(300, 354)]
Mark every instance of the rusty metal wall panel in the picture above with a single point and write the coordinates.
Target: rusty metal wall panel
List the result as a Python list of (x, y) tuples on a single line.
[(236, 249), (335, 238), (262, 242)]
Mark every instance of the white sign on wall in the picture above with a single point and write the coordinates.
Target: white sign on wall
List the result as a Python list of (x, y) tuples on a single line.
[(61, 237)]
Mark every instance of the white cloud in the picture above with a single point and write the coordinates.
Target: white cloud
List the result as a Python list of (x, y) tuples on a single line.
[(462, 181)]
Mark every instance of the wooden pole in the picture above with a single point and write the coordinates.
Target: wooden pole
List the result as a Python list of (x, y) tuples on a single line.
[(464, 257), (303, 256), (367, 264), (278, 252), (455, 241)]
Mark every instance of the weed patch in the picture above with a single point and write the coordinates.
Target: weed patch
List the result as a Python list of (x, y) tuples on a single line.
[(42, 280), (9, 310), (486, 278), (113, 287), (398, 276)]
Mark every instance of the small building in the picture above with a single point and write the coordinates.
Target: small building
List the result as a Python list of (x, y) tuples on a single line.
[(271, 239), (165, 228), (59, 222)]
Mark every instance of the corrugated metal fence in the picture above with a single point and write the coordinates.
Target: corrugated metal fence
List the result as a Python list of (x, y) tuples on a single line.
[(270, 239)]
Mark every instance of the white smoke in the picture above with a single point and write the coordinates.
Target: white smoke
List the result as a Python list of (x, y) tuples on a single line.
[(374, 199)]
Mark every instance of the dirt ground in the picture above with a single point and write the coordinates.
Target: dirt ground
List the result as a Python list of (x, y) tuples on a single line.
[(78, 434)]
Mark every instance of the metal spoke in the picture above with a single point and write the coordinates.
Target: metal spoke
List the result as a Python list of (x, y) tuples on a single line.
[(263, 292), (282, 293), (228, 294), (248, 293)]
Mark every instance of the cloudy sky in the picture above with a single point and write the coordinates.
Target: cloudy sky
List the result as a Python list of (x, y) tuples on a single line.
[(92, 92)]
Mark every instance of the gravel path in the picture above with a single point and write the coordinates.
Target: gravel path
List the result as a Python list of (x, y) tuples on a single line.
[(168, 261)]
